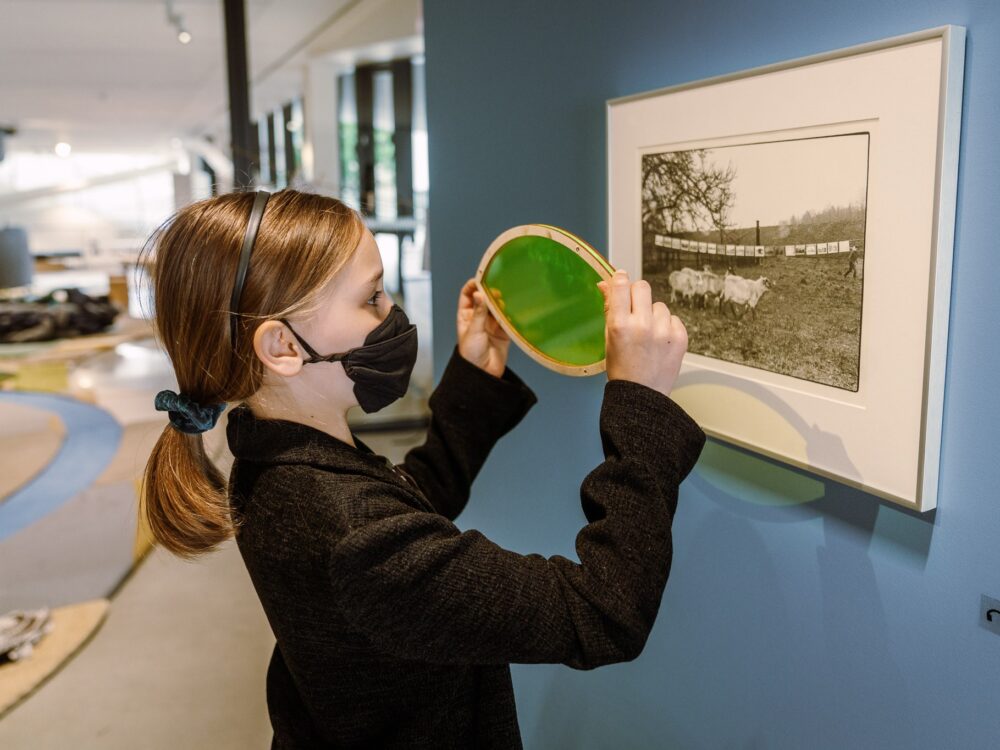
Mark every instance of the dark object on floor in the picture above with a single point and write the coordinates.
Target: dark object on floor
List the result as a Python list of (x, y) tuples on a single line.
[(63, 313)]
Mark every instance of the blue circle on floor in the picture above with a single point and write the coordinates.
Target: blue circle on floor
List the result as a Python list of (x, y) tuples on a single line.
[(91, 442)]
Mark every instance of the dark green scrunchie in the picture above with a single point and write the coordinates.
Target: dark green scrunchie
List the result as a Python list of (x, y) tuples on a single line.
[(187, 415)]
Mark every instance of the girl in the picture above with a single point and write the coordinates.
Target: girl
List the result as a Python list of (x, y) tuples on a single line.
[(393, 628)]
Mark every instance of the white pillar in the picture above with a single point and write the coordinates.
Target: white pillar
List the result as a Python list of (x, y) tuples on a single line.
[(320, 146), (183, 190)]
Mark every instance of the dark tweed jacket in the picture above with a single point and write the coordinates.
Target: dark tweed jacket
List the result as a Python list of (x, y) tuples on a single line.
[(394, 628)]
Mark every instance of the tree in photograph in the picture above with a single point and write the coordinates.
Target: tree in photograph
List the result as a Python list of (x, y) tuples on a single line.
[(680, 192)]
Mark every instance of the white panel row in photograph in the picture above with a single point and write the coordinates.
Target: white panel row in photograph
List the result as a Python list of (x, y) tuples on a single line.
[(711, 248)]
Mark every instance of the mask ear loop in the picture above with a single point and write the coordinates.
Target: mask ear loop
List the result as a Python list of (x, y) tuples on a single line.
[(253, 225), (313, 355)]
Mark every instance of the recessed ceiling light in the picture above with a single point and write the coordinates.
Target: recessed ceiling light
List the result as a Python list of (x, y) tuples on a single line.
[(176, 20), (63, 149)]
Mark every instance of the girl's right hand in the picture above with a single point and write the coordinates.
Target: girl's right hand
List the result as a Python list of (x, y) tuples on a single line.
[(644, 343)]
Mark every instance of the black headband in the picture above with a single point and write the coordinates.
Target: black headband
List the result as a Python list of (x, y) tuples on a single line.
[(253, 224)]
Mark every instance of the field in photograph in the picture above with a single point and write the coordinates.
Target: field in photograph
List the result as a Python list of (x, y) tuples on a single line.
[(807, 326)]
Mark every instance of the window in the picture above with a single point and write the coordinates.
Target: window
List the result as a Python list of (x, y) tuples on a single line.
[(278, 136), (347, 122), (382, 128), (264, 147), (293, 139)]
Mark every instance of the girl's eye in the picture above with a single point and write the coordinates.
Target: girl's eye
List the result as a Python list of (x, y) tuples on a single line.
[(373, 300)]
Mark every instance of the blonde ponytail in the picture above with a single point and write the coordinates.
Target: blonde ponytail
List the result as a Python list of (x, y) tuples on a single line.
[(185, 504)]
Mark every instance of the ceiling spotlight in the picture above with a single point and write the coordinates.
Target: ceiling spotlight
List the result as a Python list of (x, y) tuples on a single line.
[(63, 149), (176, 20)]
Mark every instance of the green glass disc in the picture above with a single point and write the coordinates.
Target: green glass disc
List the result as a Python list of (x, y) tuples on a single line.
[(549, 295)]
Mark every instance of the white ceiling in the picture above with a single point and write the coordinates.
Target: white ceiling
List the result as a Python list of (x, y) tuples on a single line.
[(110, 74)]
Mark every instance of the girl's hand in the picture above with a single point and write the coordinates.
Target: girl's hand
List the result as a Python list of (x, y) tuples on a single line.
[(645, 343), (481, 340)]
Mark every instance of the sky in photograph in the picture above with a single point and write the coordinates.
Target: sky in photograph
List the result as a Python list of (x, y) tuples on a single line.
[(775, 181)]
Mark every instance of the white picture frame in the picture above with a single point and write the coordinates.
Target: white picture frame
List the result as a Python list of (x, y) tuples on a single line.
[(884, 435)]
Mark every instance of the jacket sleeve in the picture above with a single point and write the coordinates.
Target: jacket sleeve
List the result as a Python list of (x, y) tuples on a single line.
[(418, 588), (470, 410)]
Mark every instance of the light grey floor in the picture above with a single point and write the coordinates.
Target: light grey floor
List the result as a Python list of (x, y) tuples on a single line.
[(179, 663)]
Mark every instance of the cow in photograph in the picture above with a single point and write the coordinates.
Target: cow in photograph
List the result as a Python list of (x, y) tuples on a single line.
[(743, 292)]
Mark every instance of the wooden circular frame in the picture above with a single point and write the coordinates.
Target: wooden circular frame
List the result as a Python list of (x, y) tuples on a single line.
[(593, 258)]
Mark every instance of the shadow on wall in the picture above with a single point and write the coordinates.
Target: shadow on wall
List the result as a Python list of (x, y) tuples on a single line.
[(851, 629), (729, 602), (747, 477), (768, 490)]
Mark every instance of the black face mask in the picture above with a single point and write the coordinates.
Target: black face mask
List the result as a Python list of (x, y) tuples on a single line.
[(381, 367)]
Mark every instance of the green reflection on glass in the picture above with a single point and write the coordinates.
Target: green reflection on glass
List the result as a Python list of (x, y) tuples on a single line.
[(550, 296)]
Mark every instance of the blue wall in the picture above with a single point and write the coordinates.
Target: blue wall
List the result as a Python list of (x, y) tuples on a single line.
[(837, 623)]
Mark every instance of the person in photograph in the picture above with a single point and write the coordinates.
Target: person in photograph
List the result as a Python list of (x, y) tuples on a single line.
[(852, 262)]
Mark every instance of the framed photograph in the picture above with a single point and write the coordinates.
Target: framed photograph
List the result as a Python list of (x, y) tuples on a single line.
[(799, 218)]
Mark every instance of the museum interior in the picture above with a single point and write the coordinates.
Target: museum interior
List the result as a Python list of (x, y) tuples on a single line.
[(833, 554)]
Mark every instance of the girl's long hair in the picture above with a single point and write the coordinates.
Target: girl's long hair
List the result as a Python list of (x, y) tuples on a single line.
[(304, 240)]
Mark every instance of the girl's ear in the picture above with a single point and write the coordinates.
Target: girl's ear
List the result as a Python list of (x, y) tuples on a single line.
[(277, 349)]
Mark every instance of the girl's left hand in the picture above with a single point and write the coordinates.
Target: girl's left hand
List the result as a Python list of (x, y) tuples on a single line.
[(481, 340)]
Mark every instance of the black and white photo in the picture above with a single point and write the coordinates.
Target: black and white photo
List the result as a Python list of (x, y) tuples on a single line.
[(760, 249)]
